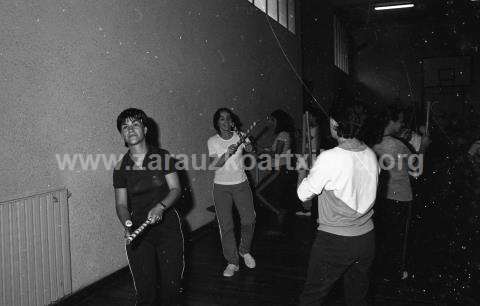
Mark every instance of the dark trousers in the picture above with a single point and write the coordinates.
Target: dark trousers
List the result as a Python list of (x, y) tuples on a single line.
[(334, 256), (156, 262), (392, 222)]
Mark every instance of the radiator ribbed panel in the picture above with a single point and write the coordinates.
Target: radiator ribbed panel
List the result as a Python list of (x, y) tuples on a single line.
[(35, 264)]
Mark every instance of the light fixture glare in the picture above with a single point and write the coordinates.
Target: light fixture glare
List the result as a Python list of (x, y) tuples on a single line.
[(386, 6)]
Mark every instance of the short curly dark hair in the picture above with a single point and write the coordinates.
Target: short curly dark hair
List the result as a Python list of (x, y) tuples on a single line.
[(349, 121), (131, 113)]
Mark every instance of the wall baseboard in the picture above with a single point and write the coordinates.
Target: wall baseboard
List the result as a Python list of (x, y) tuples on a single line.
[(78, 296)]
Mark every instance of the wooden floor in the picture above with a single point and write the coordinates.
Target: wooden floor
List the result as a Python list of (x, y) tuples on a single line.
[(277, 280)]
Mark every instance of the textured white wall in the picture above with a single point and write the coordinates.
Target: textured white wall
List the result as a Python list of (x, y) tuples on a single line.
[(67, 68)]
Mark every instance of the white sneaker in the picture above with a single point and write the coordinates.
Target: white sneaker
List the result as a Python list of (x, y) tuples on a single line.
[(230, 270), (249, 261)]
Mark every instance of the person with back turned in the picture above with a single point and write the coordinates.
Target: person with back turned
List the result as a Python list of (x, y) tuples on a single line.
[(345, 179)]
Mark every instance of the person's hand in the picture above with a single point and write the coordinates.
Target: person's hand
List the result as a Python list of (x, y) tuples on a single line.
[(156, 213), (127, 233), (406, 134), (232, 149)]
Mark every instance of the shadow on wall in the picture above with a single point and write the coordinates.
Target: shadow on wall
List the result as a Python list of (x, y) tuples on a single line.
[(185, 203)]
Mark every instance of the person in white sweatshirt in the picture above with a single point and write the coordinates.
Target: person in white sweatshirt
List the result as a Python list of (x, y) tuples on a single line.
[(345, 179)]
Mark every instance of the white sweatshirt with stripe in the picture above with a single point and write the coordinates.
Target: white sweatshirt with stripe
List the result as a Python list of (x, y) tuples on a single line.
[(346, 184)]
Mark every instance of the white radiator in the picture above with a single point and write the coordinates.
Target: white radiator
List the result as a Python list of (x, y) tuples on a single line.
[(35, 264)]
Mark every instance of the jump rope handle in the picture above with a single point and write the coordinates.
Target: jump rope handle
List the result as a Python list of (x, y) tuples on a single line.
[(139, 230)]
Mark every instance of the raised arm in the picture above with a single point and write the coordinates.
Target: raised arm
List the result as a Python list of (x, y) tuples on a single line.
[(319, 175), (219, 161)]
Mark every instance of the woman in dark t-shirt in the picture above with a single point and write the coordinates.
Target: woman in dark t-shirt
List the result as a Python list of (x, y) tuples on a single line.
[(146, 187)]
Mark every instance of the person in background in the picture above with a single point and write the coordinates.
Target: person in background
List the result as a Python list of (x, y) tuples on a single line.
[(275, 191), (395, 206), (314, 141)]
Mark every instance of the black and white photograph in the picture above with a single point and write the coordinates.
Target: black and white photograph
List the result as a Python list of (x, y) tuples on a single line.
[(239, 152)]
